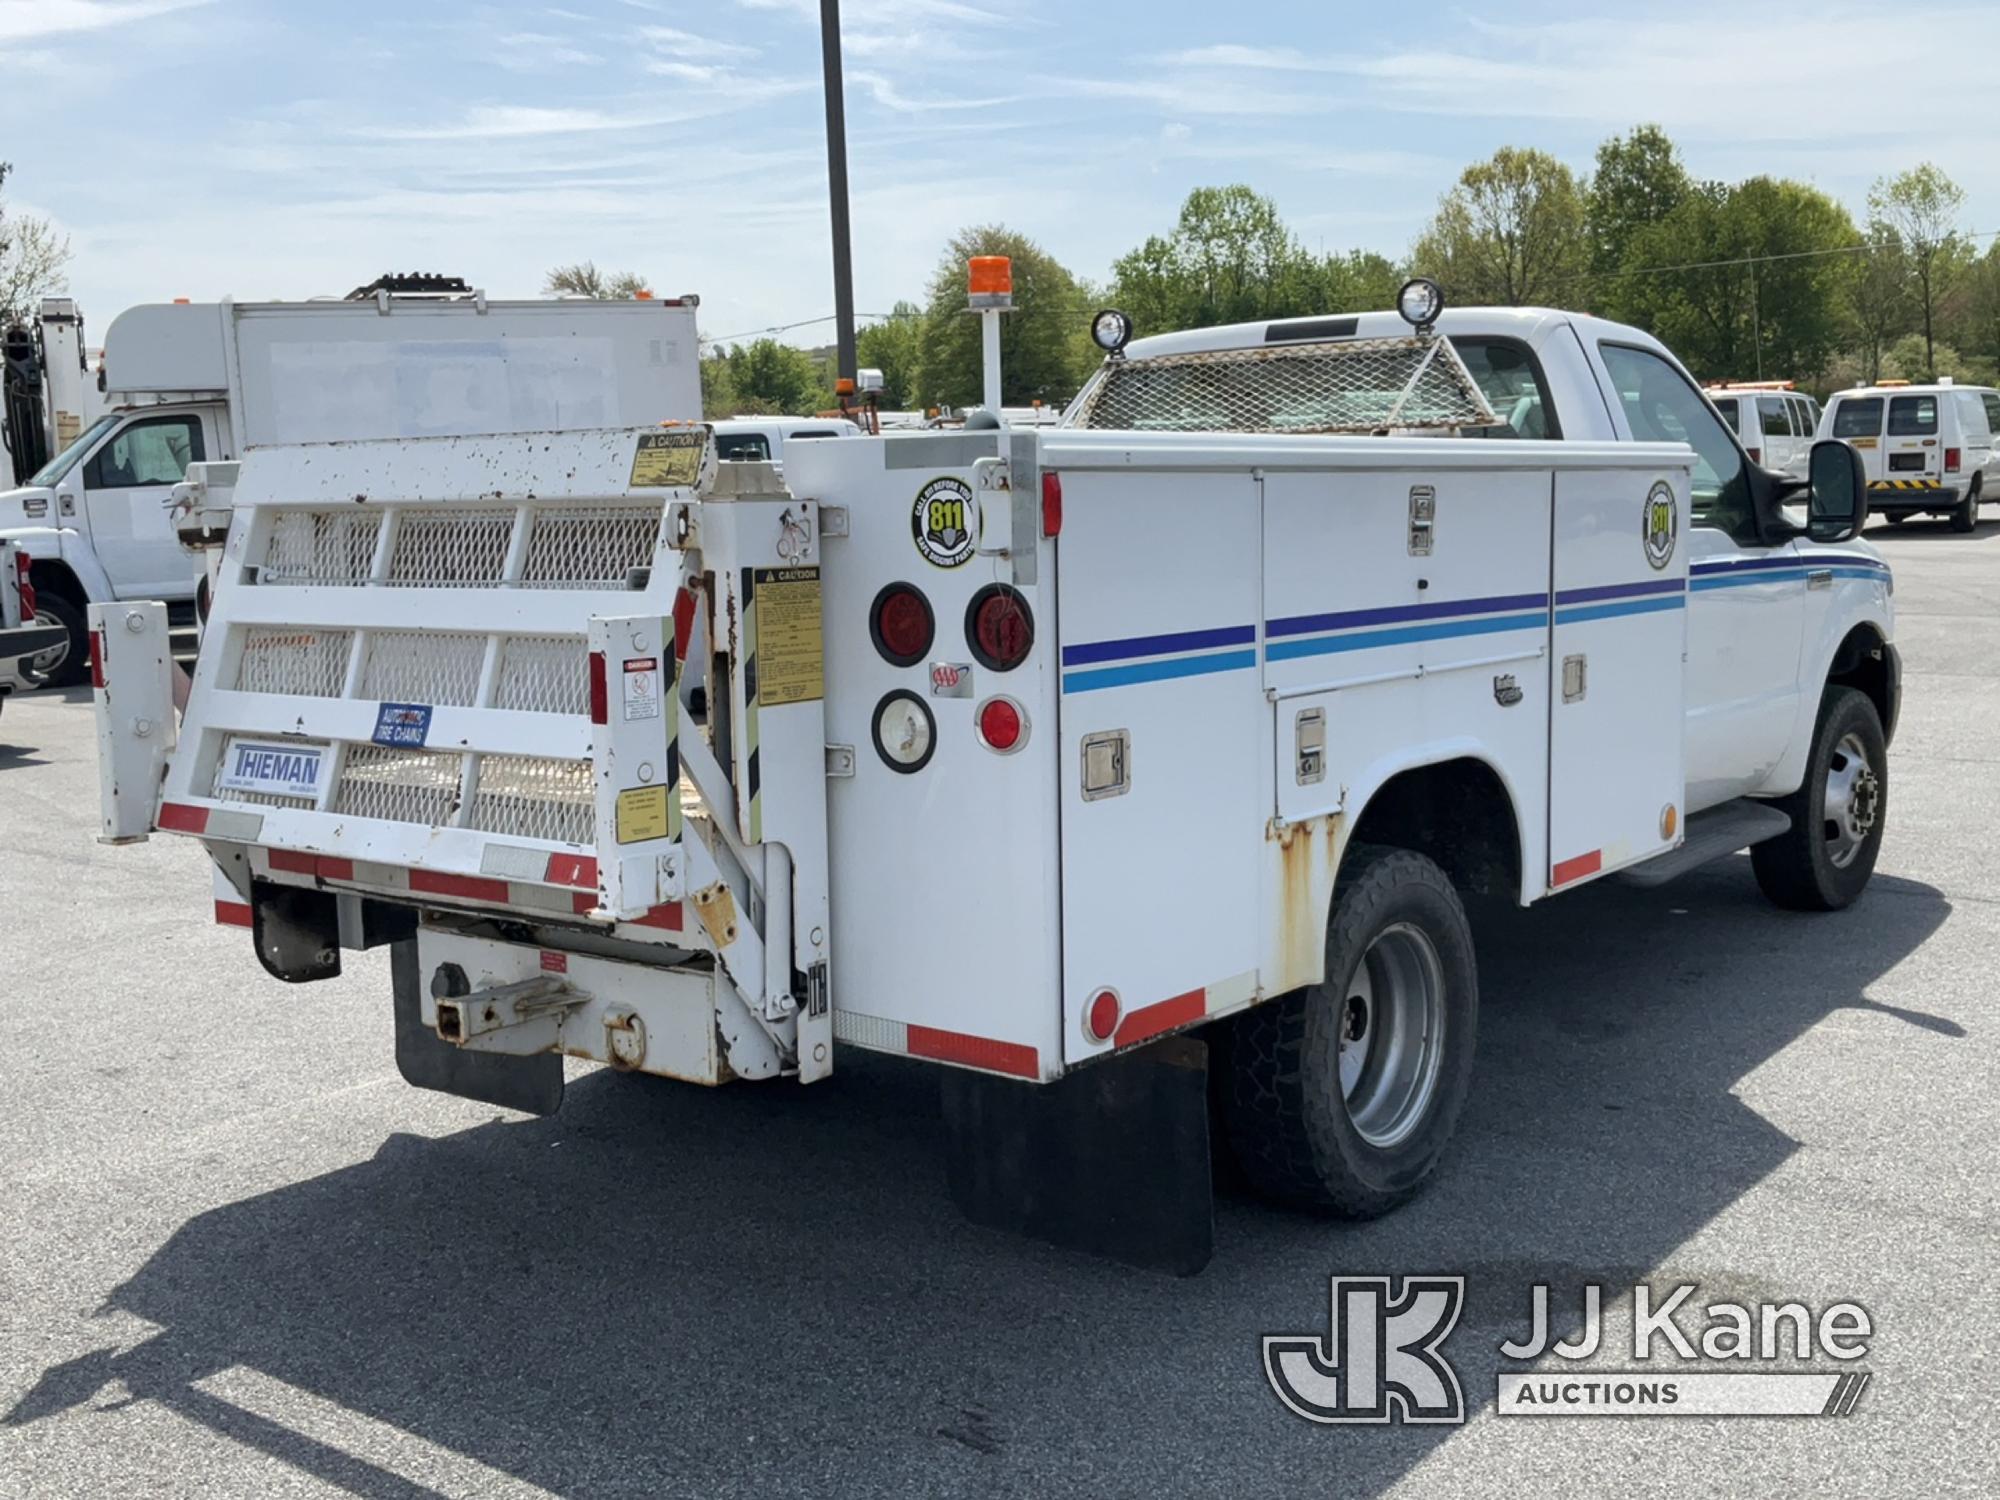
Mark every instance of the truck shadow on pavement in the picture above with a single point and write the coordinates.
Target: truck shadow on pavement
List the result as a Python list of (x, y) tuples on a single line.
[(667, 1290)]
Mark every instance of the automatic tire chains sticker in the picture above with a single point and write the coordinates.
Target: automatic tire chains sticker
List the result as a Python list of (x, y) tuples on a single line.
[(944, 523)]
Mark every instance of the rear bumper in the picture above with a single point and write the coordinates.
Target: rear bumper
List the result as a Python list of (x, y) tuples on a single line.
[(1910, 494), (24, 641)]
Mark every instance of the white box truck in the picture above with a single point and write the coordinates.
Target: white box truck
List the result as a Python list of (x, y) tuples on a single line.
[(202, 382)]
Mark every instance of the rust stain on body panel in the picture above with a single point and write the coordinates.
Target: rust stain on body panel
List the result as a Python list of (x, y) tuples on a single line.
[(1308, 857)]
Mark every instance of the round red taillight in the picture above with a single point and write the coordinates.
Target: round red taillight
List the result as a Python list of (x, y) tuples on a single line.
[(900, 621), (1001, 724), (999, 628), (1100, 1020)]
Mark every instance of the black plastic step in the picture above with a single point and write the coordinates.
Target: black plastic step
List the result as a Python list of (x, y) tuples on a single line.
[(1711, 835)]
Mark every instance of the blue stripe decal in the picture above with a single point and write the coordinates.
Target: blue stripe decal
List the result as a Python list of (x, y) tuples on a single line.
[(1627, 607), (1728, 581), (1326, 645), (1156, 671), (1158, 645), (1393, 614), (1748, 565), (1621, 590)]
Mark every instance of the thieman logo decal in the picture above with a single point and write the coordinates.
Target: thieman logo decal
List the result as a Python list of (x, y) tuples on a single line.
[(1660, 524), (1382, 1358)]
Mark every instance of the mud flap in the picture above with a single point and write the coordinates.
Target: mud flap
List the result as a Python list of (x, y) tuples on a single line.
[(533, 1085), (296, 931), (1112, 1160)]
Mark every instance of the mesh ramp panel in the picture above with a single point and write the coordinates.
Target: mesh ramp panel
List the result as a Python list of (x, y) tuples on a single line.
[(277, 659), (456, 547), (398, 786), (1354, 385), (543, 674), (416, 666), (535, 797), (590, 546), (322, 547)]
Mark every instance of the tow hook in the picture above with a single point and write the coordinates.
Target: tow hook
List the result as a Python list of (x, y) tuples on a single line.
[(462, 1017)]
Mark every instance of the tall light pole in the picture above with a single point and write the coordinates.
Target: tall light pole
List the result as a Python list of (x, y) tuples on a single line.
[(836, 186)]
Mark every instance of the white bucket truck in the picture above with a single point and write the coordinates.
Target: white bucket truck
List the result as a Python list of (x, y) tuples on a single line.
[(192, 383), (1047, 755)]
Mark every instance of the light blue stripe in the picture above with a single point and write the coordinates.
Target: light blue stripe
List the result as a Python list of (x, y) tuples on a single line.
[(1737, 581), (1362, 640), (1874, 575), (1156, 671), (1625, 607)]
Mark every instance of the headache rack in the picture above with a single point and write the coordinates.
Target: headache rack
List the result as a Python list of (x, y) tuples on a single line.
[(444, 675), (1340, 386)]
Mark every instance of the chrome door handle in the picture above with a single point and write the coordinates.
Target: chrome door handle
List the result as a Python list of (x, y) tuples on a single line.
[(1820, 578)]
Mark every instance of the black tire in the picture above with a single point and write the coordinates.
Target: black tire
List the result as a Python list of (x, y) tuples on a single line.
[(1799, 870), (1896, 517), (1965, 517), (1287, 1124), (64, 611)]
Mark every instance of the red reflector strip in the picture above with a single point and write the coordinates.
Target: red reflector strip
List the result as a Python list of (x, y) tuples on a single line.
[(668, 916), (335, 869), (974, 1051), (572, 869), (292, 862), (600, 690), (1051, 503), (1166, 1015), (97, 658), (1576, 869), (471, 887), (232, 914), (179, 817), (683, 622)]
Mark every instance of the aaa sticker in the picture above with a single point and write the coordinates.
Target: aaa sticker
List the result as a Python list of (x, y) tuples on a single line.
[(945, 523)]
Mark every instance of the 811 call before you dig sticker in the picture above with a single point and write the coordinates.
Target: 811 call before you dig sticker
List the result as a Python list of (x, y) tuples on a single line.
[(945, 522)]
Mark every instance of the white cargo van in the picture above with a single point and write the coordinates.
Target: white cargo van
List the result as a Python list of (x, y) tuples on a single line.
[(1775, 422), (1928, 449)]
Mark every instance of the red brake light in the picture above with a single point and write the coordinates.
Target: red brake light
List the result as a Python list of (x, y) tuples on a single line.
[(1951, 460), (600, 690), (1101, 1019), (1000, 724), (1051, 503), (999, 628), (901, 623)]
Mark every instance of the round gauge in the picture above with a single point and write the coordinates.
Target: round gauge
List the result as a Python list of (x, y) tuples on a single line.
[(905, 733)]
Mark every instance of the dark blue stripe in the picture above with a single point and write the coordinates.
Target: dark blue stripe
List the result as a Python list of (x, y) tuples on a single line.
[(1621, 590), (1156, 671), (1749, 565), (1158, 645), (1326, 645), (1611, 611), (1394, 614)]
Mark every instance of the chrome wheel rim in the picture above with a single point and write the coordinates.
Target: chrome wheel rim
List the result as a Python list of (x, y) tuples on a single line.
[(1852, 803), (1391, 1035), (48, 661)]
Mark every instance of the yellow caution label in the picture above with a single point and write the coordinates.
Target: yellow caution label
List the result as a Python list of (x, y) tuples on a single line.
[(665, 459), (68, 425), (641, 814), (791, 661)]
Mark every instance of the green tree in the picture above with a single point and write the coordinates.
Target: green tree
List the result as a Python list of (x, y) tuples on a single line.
[(769, 378), (1230, 259), (1878, 301), (1979, 319), (894, 346), (1921, 207), (583, 279), (1512, 232), (1045, 351), (32, 258), (718, 391), (1638, 182)]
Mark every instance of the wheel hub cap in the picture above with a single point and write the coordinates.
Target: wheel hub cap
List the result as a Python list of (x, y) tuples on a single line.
[(1391, 1035), (1853, 801)]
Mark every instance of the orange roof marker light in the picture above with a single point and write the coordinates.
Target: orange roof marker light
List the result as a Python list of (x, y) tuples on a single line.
[(989, 280), (642, 295)]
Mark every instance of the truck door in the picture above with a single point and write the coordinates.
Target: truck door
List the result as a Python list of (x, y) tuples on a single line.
[(128, 492), (1746, 600)]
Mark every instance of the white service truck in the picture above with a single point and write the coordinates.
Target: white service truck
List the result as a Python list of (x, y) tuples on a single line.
[(22, 640), (1049, 755), (205, 382)]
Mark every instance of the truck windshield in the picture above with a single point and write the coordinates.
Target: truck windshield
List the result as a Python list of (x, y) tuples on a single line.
[(52, 472), (1862, 418)]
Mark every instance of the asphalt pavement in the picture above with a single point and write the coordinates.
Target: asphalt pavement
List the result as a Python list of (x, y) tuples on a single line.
[(239, 1256)]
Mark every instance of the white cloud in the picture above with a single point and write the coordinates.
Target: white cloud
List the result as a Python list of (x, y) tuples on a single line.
[(24, 20), (504, 121), (889, 96), (685, 44)]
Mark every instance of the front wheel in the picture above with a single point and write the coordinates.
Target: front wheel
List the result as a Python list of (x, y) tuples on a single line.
[(1341, 1097), (62, 665), (1823, 862)]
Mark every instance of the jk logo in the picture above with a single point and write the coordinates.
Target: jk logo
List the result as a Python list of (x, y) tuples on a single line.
[(1381, 1363)]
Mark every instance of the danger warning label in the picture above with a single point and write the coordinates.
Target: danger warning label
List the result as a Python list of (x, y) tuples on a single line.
[(790, 661)]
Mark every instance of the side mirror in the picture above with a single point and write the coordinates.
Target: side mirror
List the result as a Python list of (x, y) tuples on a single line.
[(1837, 502)]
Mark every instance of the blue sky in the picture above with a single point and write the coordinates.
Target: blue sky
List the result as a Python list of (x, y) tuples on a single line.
[(208, 147)]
